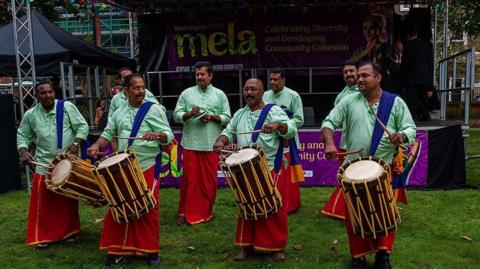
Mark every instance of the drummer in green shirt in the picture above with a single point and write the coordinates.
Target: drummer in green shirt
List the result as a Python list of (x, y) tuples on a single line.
[(140, 236), (354, 112), (51, 217), (203, 110)]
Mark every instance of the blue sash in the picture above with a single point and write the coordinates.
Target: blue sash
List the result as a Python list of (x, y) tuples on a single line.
[(137, 122), (295, 162), (384, 109), (59, 113), (258, 125)]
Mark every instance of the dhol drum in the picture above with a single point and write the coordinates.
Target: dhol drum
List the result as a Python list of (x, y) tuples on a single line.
[(121, 179), (248, 176), (73, 177), (371, 205)]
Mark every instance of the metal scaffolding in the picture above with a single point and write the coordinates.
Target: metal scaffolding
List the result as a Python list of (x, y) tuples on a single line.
[(25, 59), (22, 36)]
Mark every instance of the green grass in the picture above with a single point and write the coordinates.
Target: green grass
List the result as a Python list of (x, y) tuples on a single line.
[(429, 236)]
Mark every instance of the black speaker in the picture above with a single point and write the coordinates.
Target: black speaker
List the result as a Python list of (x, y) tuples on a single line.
[(7, 111), (8, 144), (10, 178)]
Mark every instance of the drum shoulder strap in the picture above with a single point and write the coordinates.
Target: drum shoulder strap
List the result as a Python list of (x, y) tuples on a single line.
[(59, 118), (384, 109), (137, 122), (261, 121)]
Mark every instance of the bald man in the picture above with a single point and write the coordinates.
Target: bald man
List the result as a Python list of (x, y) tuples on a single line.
[(270, 234)]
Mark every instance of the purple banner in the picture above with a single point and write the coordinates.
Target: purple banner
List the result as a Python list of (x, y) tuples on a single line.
[(297, 36), (317, 170)]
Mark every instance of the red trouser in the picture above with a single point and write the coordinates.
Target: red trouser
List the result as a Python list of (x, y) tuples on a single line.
[(51, 217), (138, 236), (198, 188), (268, 234)]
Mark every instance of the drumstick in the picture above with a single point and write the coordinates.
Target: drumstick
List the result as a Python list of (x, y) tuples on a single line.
[(39, 164), (384, 127), (349, 153), (228, 151), (248, 132), (130, 138)]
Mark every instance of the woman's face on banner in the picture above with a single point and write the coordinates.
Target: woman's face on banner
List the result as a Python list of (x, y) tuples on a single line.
[(369, 31)]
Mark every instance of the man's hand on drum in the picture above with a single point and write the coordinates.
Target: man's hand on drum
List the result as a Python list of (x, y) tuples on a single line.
[(221, 142), (25, 157), (151, 136), (73, 149), (396, 138), (93, 150), (330, 151)]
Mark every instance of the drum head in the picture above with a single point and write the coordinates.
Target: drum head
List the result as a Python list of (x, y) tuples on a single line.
[(242, 156), (365, 170), (113, 160), (61, 172)]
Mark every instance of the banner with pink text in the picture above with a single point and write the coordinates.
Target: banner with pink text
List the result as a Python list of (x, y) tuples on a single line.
[(317, 170)]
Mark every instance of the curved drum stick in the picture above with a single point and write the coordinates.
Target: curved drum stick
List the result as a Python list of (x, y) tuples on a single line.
[(384, 127)]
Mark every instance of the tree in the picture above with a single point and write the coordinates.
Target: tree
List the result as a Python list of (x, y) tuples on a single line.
[(48, 8), (463, 17)]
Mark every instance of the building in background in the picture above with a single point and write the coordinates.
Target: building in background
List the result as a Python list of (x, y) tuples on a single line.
[(117, 27)]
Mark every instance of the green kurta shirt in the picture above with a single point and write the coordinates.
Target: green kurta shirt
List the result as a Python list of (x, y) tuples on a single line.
[(120, 100), (289, 99), (40, 126), (155, 121), (244, 120), (354, 112), (345, 92), (196, 134)]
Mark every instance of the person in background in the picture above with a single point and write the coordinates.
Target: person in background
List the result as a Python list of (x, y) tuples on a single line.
[(291, 102), (203, 110)]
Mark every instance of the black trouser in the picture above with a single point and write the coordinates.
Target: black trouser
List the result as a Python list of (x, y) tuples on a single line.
[(416, 98)]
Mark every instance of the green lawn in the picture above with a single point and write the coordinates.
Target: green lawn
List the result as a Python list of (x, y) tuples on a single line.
[(429, 236)]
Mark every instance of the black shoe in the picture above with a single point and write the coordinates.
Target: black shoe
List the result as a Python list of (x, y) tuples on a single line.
[(153, 259), (382, 261), (358, 263), (111, 260)]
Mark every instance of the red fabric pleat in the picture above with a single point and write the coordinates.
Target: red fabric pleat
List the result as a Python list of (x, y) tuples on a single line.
[(362, 246), (51, 217), (138, 236), (198, 188), (335, 206)]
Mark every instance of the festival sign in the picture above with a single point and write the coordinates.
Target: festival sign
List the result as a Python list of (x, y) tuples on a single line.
[(317, 170), (320, 36)]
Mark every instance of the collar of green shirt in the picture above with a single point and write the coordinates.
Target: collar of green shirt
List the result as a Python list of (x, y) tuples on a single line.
[(209, 87)]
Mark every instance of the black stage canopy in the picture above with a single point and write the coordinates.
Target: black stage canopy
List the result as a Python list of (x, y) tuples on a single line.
[(176, 5), (53, 45)]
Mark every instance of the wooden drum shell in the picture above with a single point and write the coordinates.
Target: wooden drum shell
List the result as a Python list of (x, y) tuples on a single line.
[(81, 182), (371, 204)]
